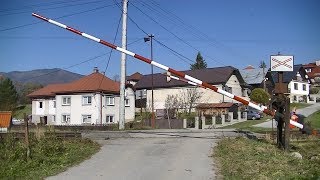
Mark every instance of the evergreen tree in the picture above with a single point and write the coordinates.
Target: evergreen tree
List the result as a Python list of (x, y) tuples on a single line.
[(199, 64), (8, 95)]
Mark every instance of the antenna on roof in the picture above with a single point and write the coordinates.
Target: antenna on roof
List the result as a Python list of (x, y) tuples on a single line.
[(95, 70)]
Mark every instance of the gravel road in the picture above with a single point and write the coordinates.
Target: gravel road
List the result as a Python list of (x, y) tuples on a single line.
[(148, 158)]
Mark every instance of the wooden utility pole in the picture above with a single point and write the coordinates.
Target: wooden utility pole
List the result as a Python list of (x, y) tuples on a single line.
[(282, 104), (26, 136)]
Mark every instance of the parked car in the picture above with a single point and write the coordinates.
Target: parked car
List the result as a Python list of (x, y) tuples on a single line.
[(253, 115)]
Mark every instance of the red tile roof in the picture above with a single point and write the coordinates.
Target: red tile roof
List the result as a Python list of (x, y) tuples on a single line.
[(5, 119), (95, 82), (134, 77)]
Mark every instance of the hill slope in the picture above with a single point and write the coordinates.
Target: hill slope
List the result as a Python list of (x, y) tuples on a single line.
[(42, 76)]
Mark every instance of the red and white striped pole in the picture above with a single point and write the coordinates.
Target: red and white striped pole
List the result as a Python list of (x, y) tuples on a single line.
[(175, 72)]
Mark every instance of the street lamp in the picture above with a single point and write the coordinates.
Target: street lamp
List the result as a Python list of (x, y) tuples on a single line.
[(146, 39)]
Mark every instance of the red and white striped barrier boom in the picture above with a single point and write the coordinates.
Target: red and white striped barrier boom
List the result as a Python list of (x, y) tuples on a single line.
[(175, 72)]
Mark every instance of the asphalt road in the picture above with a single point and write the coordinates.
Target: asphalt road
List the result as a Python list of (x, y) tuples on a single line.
[(148, 158)]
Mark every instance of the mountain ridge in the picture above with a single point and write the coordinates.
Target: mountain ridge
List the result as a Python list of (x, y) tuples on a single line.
[(42, 76)]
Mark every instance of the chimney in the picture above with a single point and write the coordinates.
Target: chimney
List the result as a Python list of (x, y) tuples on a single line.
[(318, 63), (299, 78), (95, 70)]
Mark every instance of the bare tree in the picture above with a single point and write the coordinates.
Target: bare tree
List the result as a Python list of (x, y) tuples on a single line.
[(189, 97), (171, 105)]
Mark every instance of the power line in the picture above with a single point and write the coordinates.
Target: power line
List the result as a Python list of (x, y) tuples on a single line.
[(114, 40), (68, 15), (174, 52), (212, 41), (65, 6), (180, 39), (39, 5), (77, 64)]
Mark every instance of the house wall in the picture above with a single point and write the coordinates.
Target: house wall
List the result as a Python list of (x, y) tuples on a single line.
[(47, 110), (77, 108), (298, 93), (207, 95)]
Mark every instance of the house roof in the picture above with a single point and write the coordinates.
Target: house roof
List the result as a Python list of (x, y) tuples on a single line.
[(5, 119), (288, 76), (134, 77), (95, 82), (315, 70), (218, 75), (214, 105), (253, 76)]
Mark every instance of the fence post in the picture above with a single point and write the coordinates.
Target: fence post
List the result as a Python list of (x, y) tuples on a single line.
[(213, 120), (223, 119), (184, 123), (26, 136), (230, 114), (196, 123)]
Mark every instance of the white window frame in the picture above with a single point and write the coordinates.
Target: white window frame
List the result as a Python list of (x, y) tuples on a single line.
[(66, 100), (127, 102), (54, 104), (65, 118), (108, 117), (85, 100), (86, 117), (110, 100), (294, 86), (53, 118)]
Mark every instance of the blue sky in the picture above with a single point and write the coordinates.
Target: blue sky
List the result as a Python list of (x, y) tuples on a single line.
[(229, 32)]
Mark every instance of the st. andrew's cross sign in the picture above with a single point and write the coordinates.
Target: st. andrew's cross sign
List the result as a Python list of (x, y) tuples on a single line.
[(281, 63)]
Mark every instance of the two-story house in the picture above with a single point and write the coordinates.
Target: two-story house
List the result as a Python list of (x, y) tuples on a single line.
[(298, 83), (227, 78), (93, 99)]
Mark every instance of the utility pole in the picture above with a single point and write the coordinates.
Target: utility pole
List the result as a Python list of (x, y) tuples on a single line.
[(123, 65), (264, 76), (153, 123)]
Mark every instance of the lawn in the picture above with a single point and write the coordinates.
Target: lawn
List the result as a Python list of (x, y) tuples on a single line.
[(248, 125), (242, 158), (49, 156), (299, 105), (314, 120)]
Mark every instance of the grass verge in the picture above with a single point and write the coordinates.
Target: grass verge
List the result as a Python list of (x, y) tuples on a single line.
[(314, 120), (49, 156), (299, 105), (242, 158), (248, 125)]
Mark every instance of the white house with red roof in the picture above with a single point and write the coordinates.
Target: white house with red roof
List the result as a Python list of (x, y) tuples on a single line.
[(91, 100)]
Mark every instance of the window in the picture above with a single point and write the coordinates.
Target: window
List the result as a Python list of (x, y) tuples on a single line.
[(294, 98), (86, 119), (53, 118), (110, 101), (295, 86), (40, 105), (86, 100), (304, 87), (66, 101), (127, 102), (65, 118), (54, 104), (110, 119), (308, 70)]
